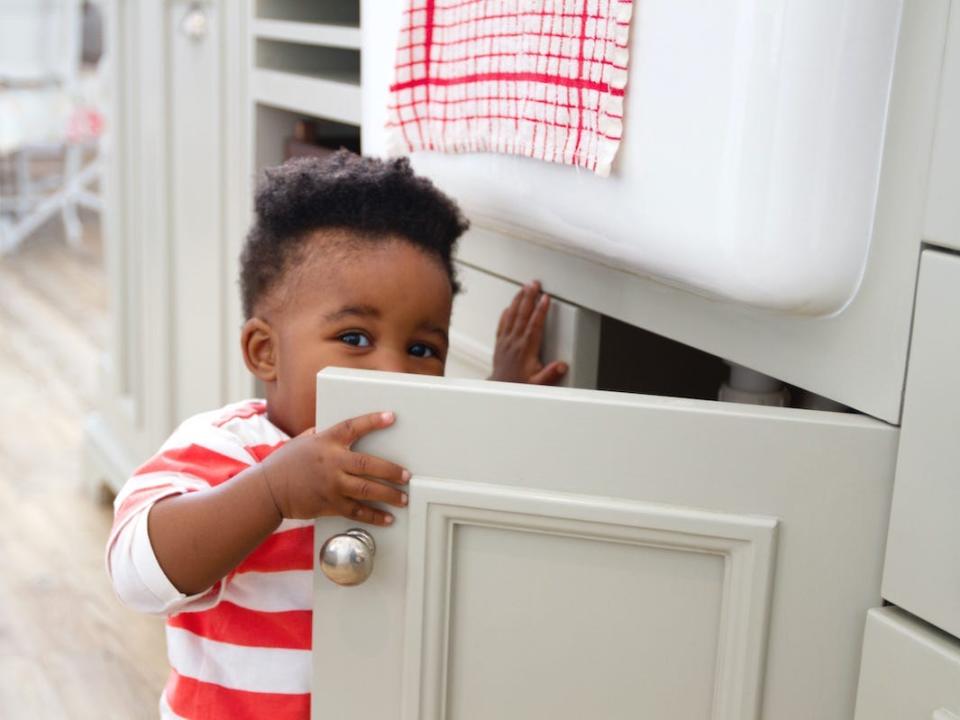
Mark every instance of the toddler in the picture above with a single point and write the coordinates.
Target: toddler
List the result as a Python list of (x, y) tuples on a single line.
[(348, 264)]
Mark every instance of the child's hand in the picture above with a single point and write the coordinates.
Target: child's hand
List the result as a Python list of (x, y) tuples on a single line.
[(519, 335), (318, 474)]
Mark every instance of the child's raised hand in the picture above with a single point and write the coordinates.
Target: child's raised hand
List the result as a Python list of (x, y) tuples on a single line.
[(519, 336), (318, 474)]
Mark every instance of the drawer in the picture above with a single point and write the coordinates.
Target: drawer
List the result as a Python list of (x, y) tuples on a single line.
[(909, 671), (572, 333), (922, 570), (942, 220)]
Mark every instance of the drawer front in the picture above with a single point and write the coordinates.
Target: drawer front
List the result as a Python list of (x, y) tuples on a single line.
[(572, 333), (909, 671), (942, 221), (922, 571)]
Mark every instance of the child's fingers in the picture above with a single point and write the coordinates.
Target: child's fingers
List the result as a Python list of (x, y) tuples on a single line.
[(528, 301), (550, 374), (537, 321), (508, 316), (359, 464), (358, 488), (363, 513), (351, 430)]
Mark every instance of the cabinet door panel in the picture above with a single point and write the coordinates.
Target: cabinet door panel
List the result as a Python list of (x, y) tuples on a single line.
[(510, 566), (567, 549)]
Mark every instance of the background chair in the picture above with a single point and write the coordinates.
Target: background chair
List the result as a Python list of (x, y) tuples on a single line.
[(50, 122)]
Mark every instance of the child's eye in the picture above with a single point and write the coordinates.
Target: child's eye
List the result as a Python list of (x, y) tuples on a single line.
[(423, 351), (356, 339)]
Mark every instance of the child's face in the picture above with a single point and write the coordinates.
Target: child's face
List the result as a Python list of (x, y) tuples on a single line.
[(383, 306)]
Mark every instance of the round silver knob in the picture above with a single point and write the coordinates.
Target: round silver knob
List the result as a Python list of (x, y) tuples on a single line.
[(347, 558), (195, 24)]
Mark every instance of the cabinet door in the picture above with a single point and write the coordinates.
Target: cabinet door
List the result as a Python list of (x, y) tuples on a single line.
[(910, 670), (571, 554), (922, 571), (195, 120)]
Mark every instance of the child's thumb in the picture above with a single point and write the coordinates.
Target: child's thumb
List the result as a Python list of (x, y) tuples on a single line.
[(549, 374)]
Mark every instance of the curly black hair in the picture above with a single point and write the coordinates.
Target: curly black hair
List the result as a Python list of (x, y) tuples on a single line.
[(375, 200)]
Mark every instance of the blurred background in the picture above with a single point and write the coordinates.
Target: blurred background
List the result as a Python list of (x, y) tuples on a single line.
[(68, 649), (131, 132)]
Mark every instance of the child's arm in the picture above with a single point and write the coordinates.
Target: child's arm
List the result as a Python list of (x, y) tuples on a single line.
[(519, 336), (201, 536)]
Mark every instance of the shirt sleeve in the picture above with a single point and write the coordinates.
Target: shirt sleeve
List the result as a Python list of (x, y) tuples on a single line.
[(198, 456), (140, 582)]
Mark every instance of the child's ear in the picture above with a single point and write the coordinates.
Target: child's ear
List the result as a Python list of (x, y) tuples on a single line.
[(259, 344)]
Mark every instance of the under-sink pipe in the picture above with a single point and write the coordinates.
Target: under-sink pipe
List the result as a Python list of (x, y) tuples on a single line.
[(749, 386), (812, 401)]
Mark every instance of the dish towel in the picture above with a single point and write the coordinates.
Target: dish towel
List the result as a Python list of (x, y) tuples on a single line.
[(540, 78)]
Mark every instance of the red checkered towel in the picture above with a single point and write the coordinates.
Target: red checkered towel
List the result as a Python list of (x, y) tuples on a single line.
[(541, 78)]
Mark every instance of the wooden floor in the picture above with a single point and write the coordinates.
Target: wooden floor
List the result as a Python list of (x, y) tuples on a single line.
[(68, 649)]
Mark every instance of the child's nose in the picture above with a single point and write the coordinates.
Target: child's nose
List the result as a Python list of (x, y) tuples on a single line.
[(392, 362)]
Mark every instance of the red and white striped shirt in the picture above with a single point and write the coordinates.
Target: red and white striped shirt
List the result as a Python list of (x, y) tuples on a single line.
[(242, 648)]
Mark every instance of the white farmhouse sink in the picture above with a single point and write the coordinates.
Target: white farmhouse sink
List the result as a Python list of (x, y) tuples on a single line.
[(750, 158)]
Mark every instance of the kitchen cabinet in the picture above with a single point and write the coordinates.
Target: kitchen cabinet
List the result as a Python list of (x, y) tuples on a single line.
[(176, 210), (922, 571), (911, 652), (942, 219), (571, 553), (910, 670)]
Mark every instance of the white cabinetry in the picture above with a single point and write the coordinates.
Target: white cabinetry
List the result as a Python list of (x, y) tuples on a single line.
[(194, 116), (942, 222), (304, 65), (175, 197), (910, 670), (922, 571), (571, 553)]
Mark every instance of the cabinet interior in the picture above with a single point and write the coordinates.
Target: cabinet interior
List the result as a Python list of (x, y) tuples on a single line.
[(275, 127), (327, 63), (342, 12), (635, 360)]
